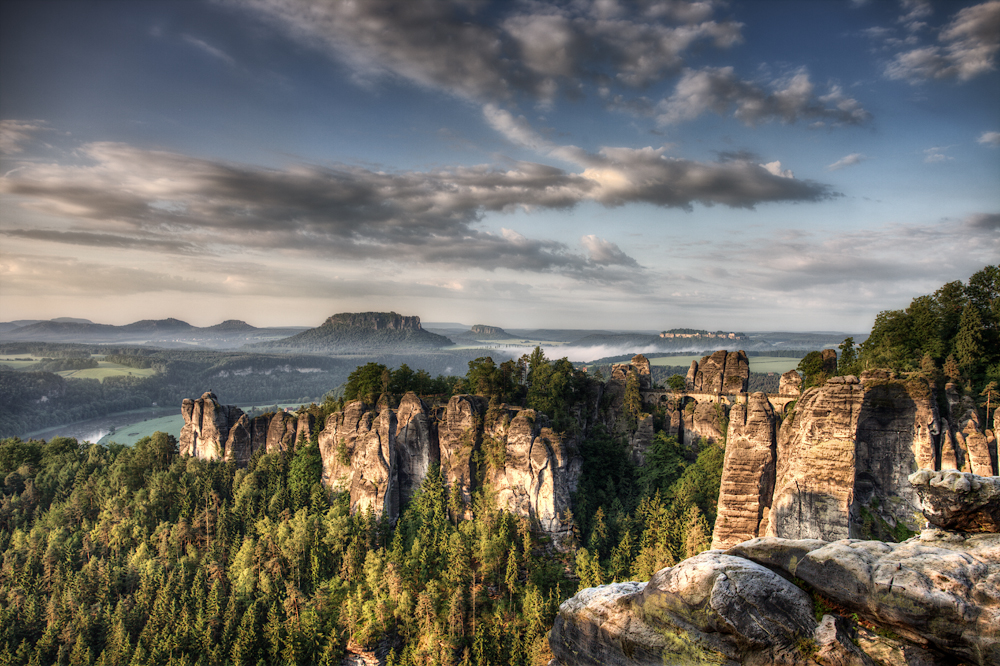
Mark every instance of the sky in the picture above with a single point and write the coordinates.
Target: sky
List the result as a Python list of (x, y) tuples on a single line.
[(582, 164)]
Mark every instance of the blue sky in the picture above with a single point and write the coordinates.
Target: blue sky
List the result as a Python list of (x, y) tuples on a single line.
[(600, 164)]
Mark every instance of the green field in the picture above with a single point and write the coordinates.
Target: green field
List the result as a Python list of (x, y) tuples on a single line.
[(7, 360), (105, 369), (757, 363)]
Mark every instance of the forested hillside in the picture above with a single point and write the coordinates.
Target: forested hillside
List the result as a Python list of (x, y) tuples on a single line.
[(116, 555)]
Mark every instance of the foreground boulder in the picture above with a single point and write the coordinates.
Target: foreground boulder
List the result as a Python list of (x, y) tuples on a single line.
[(959, 500)]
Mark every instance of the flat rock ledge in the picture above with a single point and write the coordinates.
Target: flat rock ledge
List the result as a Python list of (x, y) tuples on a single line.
[(933, 600)]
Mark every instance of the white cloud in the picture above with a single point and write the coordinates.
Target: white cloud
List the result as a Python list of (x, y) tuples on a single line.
[(968, 48), (991, 139), (846, 161), (15, 133), (719, 90), (489, 51), (936, 155), (213, 51)]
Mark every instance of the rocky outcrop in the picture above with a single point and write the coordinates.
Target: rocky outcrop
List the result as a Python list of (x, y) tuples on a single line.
[(713, 608), (358, 450), (958, 500), (706, 421), (459, 435), (748, 472), (416, 443), (934, 600), (641, 439), (726, 373), (844, 454), (790, 383), (281, 433), (640, 365), (538, 472), (206, 426)]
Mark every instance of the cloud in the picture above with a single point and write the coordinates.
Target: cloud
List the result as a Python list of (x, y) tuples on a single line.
[(991, 139), (719, 90), (489, 51), (984, 221), (936, 155), (15, 133), (968, 48), (846, 161), (213, 51), (134, 198), (606, 253)]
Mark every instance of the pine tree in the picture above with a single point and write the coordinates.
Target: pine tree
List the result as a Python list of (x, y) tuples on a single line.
[(969, 341)]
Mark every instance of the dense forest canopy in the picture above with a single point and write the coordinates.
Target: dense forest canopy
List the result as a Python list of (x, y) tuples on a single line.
[(121, 555)]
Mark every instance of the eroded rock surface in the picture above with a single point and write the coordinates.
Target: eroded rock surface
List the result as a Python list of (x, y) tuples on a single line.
[(958, 500), (748, 472), (790, 383), (720, 373), (206, 426)]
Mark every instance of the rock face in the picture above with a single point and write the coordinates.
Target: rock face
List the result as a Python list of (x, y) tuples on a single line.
[(723, 372), (844, 455), (640, 365), (459, 435), (841, 460), (358, 448), (206, 426), (748, 473), (416, 443), (790, 383), (958, 500), (938, 594), (539, 470)]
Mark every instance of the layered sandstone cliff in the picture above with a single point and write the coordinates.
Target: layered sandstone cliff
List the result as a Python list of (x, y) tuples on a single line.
[(725, 373)]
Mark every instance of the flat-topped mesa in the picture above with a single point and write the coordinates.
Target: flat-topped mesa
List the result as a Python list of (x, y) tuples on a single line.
[(489, 332), (375, 321), (721, 373)]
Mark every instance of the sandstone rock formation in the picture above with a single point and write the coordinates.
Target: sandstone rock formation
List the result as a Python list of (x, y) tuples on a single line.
[(206, 426), (958, 500), (704, 421), (539, 470), (640, 365), (459, 435), (748, 472), (416, 443), (790, 383), (358, 449), (723, 372), (844, 455), (938, 595)]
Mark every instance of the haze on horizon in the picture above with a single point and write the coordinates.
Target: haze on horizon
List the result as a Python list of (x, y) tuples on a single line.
[(593, 164)]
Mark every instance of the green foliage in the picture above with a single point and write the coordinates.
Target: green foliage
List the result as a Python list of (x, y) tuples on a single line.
[(812, 371), (848, 362), (957, 321), (677, 382)]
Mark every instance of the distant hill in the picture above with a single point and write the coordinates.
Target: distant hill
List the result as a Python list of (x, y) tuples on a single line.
[(159, 332), (481, 332), (362, 331)]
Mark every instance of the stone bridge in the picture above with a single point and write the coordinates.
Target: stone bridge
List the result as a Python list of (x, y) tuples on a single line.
[(656, 397)]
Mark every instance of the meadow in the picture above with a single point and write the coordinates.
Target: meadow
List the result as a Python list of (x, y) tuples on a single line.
[(103, 370)]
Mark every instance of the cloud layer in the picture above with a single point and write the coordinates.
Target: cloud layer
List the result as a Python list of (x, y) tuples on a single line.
[(490, 51), (128, 197)]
